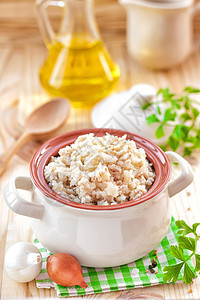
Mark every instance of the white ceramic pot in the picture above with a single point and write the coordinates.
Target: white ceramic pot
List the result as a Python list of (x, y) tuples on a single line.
[(159, 33), (98, 236)]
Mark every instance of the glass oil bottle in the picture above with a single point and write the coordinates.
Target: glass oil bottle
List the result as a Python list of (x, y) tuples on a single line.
[(78, 66)]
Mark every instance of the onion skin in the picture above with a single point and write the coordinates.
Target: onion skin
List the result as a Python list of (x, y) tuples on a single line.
[(64, 269)]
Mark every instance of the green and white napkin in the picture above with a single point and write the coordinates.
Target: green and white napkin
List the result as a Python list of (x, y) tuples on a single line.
[(133, 275)]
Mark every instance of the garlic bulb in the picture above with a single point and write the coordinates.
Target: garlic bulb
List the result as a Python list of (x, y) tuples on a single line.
[(23, 262)]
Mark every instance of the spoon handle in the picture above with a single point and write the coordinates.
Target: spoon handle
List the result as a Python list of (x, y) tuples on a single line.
[(8, 153)]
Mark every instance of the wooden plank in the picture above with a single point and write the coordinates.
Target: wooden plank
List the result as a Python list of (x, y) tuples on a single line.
[(18, 22)]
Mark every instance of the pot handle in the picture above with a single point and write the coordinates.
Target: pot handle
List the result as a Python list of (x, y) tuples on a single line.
[(185, 178), (16, 203)]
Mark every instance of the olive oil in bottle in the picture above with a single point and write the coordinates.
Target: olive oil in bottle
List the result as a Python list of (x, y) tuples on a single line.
[(81, 71), (78, 66)]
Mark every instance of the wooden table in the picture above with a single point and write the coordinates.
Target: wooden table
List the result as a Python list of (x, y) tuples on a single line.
[(19, 64)]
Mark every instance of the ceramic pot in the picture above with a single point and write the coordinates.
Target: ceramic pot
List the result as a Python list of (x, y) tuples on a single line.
[(159, 32), (98, 236)]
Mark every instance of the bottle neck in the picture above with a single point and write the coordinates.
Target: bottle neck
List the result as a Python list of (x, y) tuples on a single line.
[(79, 24)]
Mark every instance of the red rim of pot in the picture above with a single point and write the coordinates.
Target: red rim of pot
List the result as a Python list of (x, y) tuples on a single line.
[(154, 154)]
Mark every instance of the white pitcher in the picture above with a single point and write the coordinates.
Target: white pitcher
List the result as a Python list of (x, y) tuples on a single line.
[(159, 32)]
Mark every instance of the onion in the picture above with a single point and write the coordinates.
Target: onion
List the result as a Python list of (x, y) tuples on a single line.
[(65, 270)]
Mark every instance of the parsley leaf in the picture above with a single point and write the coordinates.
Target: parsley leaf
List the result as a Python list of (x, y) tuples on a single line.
[(163, 147), (159, 110), (169, 115), (172, 272), (187, 151), (194, 226), (195, 112), (185, 117), (184, 228), (173, 143), (180, 132), (159, 132), (152, 119), (197, 259), (180, 112), (188, 274), (184, 243), (177, 252), (147, 105), (191, 90)]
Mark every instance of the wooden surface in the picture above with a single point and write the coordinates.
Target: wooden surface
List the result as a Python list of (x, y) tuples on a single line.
[(21, 54)]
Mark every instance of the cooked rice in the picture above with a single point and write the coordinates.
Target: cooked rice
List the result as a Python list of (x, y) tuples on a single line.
[(100, 170)]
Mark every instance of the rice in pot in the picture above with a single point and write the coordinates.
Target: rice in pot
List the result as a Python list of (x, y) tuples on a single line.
[(100, 170)]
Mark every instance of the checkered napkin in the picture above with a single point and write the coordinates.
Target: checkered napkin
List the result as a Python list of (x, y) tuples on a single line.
[(128, 276)]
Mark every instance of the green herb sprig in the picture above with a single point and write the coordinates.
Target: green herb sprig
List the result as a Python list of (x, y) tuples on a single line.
[(182, 115), (184, 242)]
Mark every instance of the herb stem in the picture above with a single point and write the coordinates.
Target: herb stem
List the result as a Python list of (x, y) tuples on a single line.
[(190, 256)]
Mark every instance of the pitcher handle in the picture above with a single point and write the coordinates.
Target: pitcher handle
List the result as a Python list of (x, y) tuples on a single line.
[(185, 178), (16, 203), (195, 10), (44, 23)]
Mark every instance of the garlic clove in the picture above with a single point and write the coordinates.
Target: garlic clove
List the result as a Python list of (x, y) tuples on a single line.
[(23, 262)]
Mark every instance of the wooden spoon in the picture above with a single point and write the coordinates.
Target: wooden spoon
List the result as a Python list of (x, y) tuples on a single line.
[(42, 121)]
